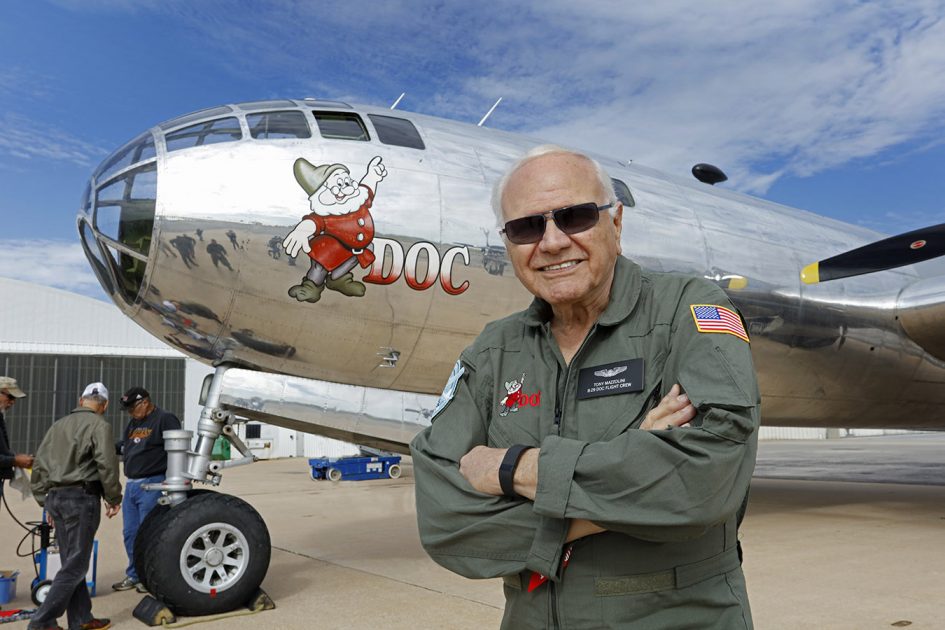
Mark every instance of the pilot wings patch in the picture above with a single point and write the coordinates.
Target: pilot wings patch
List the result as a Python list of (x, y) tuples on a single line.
[(710, 318), (611, 372)]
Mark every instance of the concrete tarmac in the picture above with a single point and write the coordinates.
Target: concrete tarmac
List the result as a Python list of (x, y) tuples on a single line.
[(821, 552)]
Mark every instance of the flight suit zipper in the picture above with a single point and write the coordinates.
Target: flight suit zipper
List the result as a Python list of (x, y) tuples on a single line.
[(552, 590), (567, 379)]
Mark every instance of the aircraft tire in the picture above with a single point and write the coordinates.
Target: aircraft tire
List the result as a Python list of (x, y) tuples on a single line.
[(209, 556), (145, 535), (394, 471)]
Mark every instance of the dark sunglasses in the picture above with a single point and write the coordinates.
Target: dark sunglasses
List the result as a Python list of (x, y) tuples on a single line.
[(570, 220)]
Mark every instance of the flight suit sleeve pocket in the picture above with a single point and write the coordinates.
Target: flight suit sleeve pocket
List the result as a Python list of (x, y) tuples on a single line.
[(724, 392)]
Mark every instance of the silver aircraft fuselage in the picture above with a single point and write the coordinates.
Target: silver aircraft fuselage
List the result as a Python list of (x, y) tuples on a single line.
[(184, 226)]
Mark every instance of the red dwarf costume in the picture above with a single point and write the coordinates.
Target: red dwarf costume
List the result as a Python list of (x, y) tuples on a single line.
[(336, 237)]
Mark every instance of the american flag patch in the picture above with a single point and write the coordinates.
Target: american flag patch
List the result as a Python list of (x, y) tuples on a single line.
[(718, 319)]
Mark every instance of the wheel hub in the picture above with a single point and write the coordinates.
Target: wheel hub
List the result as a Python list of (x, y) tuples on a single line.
[(214, 557)]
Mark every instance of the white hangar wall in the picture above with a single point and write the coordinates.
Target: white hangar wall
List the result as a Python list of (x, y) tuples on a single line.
[(55, 342)]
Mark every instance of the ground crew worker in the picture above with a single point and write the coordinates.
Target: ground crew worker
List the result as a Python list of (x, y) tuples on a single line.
[(10, 392), (75, 468), (590, 522), (142, 449)]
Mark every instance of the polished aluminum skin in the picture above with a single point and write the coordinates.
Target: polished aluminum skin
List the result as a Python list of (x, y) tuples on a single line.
[(184, 228)]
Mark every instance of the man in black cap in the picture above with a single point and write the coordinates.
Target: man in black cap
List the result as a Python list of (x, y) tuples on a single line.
[(10, 392), (142, 447)]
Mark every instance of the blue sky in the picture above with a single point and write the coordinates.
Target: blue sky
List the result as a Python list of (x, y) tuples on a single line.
[(833, 106)]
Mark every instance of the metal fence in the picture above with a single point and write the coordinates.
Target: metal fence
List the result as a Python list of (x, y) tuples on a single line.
[(53, 384)]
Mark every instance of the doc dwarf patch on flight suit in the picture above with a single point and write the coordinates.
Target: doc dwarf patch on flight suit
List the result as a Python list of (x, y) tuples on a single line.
[(516, 398)]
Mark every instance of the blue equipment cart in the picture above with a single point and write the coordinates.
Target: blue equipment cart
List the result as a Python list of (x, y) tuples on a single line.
[(355, 468)]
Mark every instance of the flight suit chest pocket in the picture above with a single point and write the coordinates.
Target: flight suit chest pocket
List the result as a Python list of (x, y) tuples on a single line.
[(605, 417), (517, 412)]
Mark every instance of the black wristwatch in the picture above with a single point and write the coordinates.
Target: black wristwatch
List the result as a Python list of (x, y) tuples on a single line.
[(507, 469)]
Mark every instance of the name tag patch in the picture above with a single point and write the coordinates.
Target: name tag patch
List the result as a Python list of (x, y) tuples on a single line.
[(622, 377)]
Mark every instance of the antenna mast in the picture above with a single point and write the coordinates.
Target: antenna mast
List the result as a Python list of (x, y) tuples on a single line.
[(489, 113), (397, 102)]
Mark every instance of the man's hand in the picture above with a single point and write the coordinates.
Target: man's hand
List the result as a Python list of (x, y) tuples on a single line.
[(480, 467), (674, 410), (112, 510), (23, 461)]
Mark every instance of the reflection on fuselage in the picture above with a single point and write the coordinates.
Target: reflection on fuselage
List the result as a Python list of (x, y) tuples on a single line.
[(217, 277)]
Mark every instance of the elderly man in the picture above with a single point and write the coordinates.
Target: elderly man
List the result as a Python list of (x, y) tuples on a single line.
[(76, 467), (10, 392), (589, 521), (142, 448)]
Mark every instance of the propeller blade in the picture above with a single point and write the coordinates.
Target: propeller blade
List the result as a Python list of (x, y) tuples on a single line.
[(896, 251)]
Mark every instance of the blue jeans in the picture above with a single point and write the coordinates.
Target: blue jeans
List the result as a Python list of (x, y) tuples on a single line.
[(76, 516), (135, 505)]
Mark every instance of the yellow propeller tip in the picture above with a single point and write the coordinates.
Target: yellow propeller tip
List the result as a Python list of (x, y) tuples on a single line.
[(811, 273)]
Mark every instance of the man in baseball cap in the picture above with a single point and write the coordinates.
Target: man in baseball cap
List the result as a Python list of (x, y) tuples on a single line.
[(142, 445), (10, 392), (134, 395), (95, 389), (75, 470)]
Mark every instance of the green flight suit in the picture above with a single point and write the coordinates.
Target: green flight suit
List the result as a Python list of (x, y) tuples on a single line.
[(668, 498)]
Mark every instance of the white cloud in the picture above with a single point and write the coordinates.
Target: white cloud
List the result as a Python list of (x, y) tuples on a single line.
[(804, 86), (26, 139), (762, 89), (54, 263)]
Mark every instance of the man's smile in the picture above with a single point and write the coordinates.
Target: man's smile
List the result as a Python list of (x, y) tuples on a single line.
[(559, 266)]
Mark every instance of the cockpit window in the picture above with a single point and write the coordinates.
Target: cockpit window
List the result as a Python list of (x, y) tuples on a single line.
[(87, 199), (124, 209), (623, 193), (139, 149), (318, 102), (208, 132), (257, 105), (92, 252), (199, 115), (275, 125), (341, 126), (396, 131), (124, 215)]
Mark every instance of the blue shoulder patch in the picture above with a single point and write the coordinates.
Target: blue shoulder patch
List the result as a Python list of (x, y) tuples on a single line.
[(450, 390)]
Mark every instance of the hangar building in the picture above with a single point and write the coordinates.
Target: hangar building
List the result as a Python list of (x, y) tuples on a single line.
[(55, 342)]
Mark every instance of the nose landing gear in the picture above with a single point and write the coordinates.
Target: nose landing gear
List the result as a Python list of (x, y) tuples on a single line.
[(206, 555)]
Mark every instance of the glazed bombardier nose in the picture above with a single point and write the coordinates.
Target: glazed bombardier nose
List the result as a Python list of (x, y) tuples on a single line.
[(116, 219)]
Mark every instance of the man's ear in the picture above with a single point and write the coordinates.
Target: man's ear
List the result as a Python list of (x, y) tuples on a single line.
[(618, 225)]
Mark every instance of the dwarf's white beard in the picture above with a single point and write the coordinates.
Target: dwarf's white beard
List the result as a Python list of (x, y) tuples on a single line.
[(345, 207)]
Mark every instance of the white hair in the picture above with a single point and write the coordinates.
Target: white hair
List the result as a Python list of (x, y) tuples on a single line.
[(603, 178), (98, 399)]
